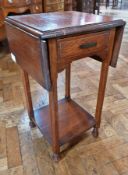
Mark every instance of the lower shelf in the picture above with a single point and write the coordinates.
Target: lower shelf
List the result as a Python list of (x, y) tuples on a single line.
[(73, 120)]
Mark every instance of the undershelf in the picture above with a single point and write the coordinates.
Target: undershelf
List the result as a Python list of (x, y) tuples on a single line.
[(73, 120)]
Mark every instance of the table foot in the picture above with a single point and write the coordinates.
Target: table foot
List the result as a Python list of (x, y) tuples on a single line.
[(95, 132), (32, 124), (55, 157)]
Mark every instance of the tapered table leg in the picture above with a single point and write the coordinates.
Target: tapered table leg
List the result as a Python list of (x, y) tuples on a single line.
[(67, 81), (102, 83), (28, 97), (53, 105), (53, 100), (101, 94)]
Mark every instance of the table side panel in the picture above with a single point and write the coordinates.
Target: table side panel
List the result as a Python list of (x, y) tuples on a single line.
[(117, 45), (29, 55)]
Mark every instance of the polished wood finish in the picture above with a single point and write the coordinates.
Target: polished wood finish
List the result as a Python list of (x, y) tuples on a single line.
[(14, 7), (109, 150), (83, 23), (59, 27)]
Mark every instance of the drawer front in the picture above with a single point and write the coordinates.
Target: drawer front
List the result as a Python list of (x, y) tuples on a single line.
[(72, 48), (17, 3)]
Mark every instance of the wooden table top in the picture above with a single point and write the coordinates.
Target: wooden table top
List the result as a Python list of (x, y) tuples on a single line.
[(55, 24)]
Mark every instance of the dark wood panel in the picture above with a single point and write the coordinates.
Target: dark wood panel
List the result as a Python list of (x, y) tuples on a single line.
[(28, 52)]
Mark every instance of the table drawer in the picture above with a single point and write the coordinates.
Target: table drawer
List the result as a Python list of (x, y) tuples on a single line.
[(72, 48)]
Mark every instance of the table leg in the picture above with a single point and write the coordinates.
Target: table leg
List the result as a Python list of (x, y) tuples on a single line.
[(53, 100), (101, 94), (67, 81), (53, 104), (102, 84), (28, 97)]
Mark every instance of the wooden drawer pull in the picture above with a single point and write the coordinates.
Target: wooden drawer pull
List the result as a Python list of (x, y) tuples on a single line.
[(88, 45)]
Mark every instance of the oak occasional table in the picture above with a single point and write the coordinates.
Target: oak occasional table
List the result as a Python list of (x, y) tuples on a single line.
[(46, 44)]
